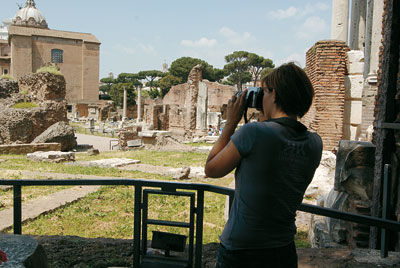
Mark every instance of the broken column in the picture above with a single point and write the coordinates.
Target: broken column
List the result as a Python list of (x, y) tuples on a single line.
[(124, 117), (139, 103), (202, 105), (340, 20), (194, 78), (376, 41), (358, 23)]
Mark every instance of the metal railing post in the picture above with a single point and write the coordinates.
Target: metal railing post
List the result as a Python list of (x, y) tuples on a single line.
[(385, 208), (199, 228), (136, 225), (17, 209)]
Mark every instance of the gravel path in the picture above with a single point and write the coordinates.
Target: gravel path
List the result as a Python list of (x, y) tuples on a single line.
[(100, 143)]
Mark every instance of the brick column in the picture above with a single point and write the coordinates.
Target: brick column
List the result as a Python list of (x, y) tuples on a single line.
[(326, 67)]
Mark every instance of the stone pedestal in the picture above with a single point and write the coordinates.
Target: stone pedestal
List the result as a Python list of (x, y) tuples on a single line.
[(23, 252)]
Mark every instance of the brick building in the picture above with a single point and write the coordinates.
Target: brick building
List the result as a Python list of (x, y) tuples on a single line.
[(31, 44)]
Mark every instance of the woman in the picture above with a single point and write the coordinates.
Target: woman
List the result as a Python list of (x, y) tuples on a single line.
[(275, 161)]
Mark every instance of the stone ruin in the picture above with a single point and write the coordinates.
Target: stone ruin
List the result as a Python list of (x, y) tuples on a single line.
[(352, 193), (189, 108), (46, 94), (183, 114)]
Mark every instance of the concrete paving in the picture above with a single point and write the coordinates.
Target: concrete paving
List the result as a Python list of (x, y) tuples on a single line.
[(98, 142)]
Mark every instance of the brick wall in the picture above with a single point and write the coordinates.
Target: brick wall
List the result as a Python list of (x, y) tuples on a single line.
[(326, 67)]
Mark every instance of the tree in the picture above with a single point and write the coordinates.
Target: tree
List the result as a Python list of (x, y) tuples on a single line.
[(167, 82), (181, 68), (265, 72), (238, 68), (151, 77), (257, 64), (108, 82), (131, 82)]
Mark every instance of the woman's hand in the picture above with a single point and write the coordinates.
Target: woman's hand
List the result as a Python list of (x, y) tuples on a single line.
[(235, 108)]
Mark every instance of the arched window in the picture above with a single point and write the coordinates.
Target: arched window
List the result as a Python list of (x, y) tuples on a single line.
[(57, 56)]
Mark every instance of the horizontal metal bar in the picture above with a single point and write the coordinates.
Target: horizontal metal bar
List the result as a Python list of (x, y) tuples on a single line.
[(367, 220), (160, 192), (169, 223), (389, 125)]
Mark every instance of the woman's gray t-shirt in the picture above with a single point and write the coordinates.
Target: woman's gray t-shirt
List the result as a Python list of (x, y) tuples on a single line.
[(279, 159)]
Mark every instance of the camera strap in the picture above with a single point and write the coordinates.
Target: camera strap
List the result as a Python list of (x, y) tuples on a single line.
[(245, 115)]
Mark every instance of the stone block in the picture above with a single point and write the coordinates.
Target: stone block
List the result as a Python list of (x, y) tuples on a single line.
[(352, 112), (93, 152), (23, 251), (351, 132), (355, 63), (51, 156), (353, 157), (134, 143), (113, 162), (354, 85), (60, 132)]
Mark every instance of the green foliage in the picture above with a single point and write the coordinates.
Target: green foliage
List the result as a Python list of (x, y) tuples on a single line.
[(181, 68), (117, 93), (151, 76), (49, 69), (25, 105), (24, 92), (238, 68), (257, 64), (243, 67), (115, 88), (9, 77), (167, 82), (154, 93), (265, 72)]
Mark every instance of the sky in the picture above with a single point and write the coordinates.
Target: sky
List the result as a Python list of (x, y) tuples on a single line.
[(139, 35)]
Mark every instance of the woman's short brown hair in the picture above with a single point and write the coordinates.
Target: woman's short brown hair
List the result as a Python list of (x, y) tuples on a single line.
[(294, 91)]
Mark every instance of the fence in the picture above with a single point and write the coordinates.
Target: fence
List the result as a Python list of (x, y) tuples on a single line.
[(165, 186)]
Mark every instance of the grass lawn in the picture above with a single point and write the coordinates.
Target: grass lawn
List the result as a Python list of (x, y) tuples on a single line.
[(109, 211)]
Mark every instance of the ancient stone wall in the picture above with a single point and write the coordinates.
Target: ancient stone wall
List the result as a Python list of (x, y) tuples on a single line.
[(29, 148), (43, 86), (7, 88), (195, 76), (128, 134), (326, 67), (218, 95), (24, 125)]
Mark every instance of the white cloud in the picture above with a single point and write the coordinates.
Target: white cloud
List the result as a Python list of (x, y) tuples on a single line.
[(202, 42), (297, 58), (125, 49), (234, 37), (312, 28), (298, 11), (283, 14), (148, 49)]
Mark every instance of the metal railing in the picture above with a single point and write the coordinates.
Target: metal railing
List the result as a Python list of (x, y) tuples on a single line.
[(173, 187)]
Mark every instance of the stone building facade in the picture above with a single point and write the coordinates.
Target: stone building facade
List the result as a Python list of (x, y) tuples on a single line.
[(31, 44)]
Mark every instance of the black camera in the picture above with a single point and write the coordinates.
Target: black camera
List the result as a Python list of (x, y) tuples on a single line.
[(254, 97)]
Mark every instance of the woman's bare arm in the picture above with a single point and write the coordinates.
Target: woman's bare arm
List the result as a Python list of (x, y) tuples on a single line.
[(224, 156)]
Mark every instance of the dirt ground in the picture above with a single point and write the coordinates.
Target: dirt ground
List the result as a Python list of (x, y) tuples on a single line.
[(78, 252)]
